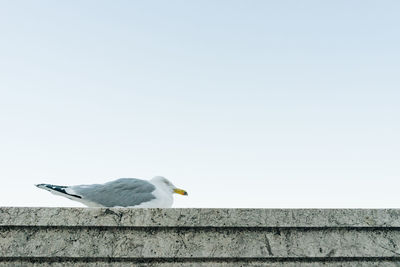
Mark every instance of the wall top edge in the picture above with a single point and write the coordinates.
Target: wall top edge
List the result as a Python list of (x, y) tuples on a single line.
[(206, 217)]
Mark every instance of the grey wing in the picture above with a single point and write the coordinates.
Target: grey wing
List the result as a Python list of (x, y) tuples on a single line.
[(124, 192)]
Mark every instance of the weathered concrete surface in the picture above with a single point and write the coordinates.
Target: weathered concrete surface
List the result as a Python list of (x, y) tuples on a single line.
[(199, 217), (294, 263), (199, 237)]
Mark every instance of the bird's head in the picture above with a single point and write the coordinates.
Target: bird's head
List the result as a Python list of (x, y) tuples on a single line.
[(167, 184)]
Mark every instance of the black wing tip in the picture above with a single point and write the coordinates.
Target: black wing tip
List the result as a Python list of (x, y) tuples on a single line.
[(58, 188)]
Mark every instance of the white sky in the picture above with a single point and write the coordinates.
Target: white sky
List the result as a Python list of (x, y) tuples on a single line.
[(241, 103)]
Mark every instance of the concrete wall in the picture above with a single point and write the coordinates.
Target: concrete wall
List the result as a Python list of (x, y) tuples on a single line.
[(198, 237)]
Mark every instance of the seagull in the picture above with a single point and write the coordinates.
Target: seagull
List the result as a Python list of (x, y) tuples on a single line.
[(123, 192)]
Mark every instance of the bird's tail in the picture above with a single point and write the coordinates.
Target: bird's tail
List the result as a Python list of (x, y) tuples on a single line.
[(56, 189)]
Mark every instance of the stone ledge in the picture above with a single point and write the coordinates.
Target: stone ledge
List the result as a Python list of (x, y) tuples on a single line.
[(199, 237), (124, 217), (107, 263)]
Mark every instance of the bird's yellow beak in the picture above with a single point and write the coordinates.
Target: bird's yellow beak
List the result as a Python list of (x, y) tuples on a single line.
[(180, 192)]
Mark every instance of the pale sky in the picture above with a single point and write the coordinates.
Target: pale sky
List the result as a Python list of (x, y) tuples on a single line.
[(263, 104)]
